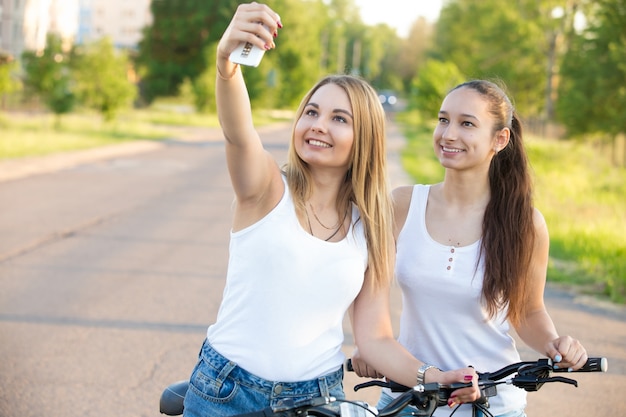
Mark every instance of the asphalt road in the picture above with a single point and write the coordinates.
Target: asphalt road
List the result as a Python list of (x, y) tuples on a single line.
[(112, 264)]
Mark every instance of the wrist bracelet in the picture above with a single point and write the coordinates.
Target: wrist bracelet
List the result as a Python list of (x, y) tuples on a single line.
[(232, 74), (421, 373)]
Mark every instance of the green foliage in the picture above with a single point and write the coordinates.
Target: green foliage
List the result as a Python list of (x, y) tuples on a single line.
[(319, 37), (495, 39), (406, 57), (8, 79), (203, 87), (288, 71), (583, 200), (60, 99), (101, 78), (592, 93), (432, 84), (418, 157), (49, 76), (386, 60), (172, 47)]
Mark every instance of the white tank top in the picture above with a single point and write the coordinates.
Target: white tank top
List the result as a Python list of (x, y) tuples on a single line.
[(286, 295), (443, 321)]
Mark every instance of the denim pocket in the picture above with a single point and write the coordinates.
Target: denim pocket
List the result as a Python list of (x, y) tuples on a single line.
[(211, 383)]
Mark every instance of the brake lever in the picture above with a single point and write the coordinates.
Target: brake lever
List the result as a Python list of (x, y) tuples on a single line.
[(289, 404), (561, 379), (372, 383), (532, 383)]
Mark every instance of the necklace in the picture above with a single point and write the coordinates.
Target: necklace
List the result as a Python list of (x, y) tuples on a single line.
[(340, 225), (339, 221)]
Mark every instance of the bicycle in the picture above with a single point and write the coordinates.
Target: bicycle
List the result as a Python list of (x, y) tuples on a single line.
[(526, 375)]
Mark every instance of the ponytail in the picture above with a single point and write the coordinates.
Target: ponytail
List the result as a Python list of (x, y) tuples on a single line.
[(508, 232)]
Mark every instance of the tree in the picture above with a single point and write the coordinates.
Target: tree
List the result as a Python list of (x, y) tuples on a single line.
[(497, 39), (320, 37), (203, 87), (592, 95), (432, 84), (8, 80), (172, 47), (101, 78), (411, 53), (47, 75)]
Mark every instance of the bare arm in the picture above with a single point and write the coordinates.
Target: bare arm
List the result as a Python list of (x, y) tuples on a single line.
[(401, 197), (538, 330), (381, 354), (254, 174)]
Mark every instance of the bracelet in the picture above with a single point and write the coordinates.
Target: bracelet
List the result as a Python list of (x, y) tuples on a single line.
[(232, 74), (421, 373)]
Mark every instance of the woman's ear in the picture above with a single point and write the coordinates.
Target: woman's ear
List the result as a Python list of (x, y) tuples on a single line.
[(502, 139)]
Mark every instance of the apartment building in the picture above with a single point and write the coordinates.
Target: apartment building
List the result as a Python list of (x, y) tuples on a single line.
[(25, 24), (11, 27), (120, 20)]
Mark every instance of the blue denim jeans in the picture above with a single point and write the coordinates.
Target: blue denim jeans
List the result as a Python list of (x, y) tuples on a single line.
[(218, 387), (385, 399)]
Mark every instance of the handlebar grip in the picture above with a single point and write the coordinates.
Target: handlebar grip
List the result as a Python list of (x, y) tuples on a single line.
[(595, 365), (592, 365)]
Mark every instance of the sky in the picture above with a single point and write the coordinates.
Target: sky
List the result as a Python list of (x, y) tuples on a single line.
[(399, 14)]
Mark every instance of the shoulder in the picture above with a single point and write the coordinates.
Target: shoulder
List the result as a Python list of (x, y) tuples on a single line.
[(542, 236), (402, 195), (401, 198), (539, 222)]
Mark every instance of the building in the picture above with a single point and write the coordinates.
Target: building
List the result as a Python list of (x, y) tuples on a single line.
[(121, 20), (11, 27), (25, 24)]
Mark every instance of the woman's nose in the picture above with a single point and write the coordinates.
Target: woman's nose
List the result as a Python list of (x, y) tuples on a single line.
[(318, 126), (449, 133)]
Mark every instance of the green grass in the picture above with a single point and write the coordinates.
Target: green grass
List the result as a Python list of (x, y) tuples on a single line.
[(37, 134), (583, 199), (581, 195)]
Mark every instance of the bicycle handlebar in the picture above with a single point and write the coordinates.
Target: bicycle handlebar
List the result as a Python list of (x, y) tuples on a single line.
[(529, 375)]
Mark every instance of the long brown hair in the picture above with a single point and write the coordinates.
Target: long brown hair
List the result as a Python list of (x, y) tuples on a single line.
[(366, 182), (508, 234)]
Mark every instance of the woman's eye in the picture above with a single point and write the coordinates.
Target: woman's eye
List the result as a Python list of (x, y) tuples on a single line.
[(310, 112), (341, 119), (467, 124), (443, 120)]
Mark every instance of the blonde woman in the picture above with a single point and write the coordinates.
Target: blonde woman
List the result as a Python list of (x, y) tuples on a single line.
[(309, 242)]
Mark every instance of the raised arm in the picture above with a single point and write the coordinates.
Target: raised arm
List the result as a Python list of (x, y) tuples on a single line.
[(254, 173)]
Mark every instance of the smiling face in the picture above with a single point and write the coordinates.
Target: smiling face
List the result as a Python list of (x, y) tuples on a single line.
[(324, 133), (464, 137)]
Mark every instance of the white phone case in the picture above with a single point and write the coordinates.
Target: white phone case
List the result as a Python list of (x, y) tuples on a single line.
[(247, 54)]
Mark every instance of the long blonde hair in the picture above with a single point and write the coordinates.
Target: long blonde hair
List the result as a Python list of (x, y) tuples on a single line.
[(366, 182)]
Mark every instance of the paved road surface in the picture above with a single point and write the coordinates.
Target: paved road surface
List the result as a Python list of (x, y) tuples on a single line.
[(112, 265)]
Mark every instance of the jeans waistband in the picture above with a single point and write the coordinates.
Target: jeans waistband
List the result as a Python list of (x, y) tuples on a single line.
[(310, 387)]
